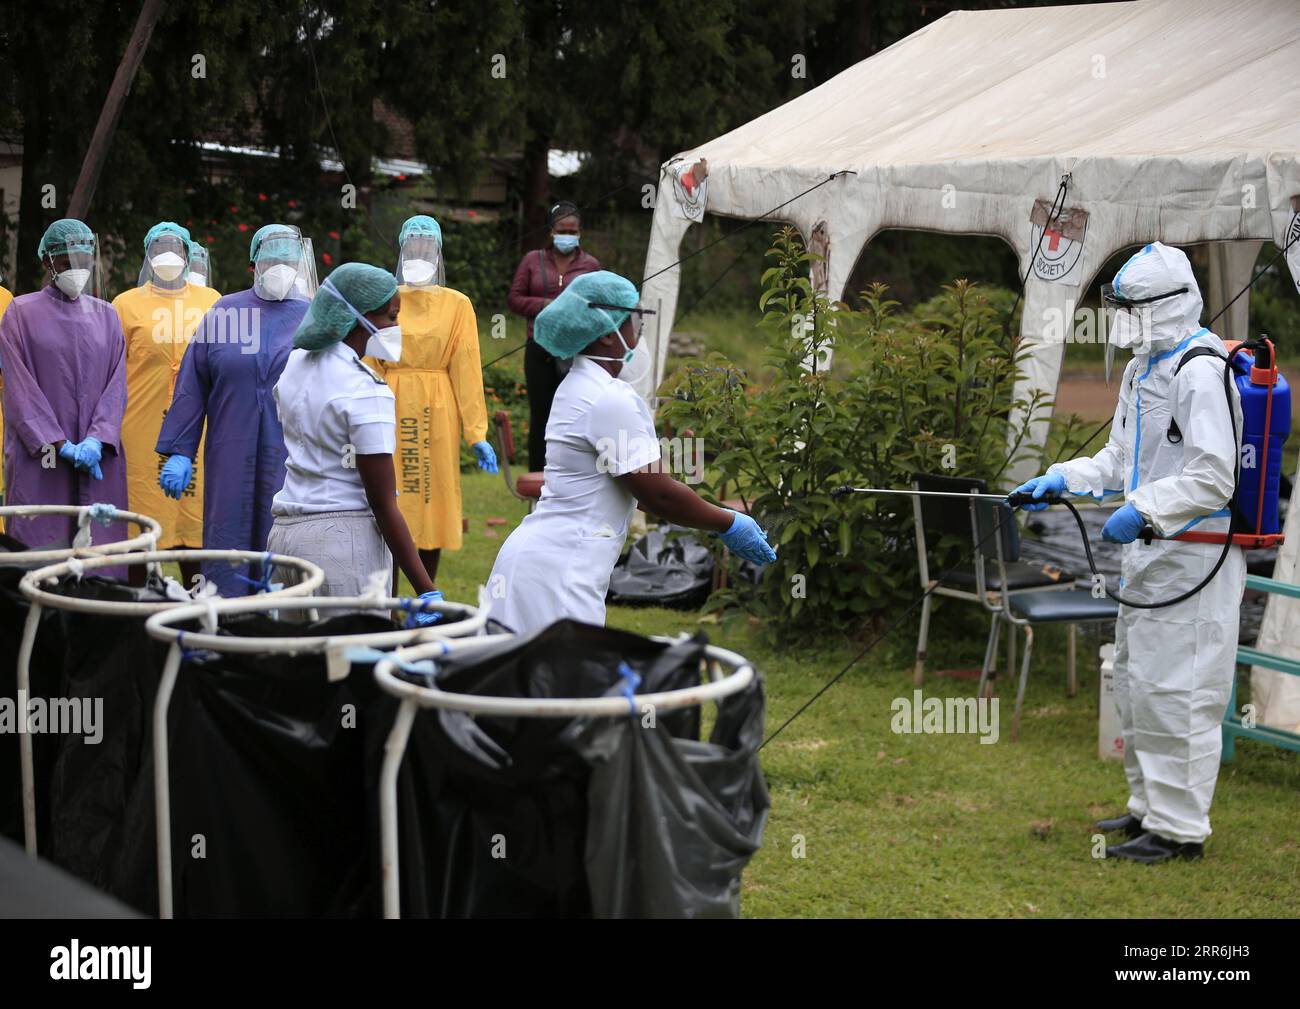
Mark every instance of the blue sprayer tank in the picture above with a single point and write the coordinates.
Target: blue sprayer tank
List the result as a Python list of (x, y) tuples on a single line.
[(1264, 429)]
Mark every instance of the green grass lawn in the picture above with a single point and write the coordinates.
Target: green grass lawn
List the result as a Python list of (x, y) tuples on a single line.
[(916, 825)]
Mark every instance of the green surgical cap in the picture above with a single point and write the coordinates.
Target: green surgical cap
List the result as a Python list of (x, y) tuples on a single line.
[(568, 326), (280, 247), (420, 224), (66, 235), (166, 228), (329, 320)]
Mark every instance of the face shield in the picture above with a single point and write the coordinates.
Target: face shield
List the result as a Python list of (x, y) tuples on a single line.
[(74, 265), (419, 263), (200, 266), (283, 266), (1128, 321), (166, 261), (636, 359)]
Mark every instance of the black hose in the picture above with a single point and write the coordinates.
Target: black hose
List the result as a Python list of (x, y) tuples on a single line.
[(1147, 535)]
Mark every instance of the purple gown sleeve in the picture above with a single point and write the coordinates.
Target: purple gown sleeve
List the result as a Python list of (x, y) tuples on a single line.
[(182, 428), (27, 410), (106, 419)]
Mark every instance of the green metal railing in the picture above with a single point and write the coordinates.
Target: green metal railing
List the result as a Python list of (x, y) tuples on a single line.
[(1232, 727)]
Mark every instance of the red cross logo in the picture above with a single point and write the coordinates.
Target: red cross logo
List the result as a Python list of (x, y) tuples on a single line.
[(1055, 242)]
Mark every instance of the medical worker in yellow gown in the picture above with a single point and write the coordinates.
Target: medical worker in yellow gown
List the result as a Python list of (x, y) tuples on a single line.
[(159, 318), (5, 298), (438, 384)]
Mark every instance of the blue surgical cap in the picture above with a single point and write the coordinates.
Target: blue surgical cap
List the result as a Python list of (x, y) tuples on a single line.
[(329, 320), (568, 325), (278, 247), (420, 224), (66, 235), (167, 228)]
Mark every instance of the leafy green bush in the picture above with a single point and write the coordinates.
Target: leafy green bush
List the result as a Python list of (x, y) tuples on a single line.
[(929, 393)]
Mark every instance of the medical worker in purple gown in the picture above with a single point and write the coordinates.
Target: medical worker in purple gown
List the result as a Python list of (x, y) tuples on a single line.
[(64, 393), (226, 380)]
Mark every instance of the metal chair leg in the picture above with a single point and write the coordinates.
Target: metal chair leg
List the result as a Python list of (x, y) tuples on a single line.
[(1072, 683), (1024, 678), (922, 640), (1011, 650), (990, 650)]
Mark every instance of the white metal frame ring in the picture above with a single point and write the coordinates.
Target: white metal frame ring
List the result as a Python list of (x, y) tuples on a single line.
[(146, 540)]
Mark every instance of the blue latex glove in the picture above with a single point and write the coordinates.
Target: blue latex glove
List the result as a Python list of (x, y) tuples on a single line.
[(1047, 485), (88, 453), (68, 452), (1123, 526), (425, 619), (86, 456), (175, 476), (487, 458), (747, 541)]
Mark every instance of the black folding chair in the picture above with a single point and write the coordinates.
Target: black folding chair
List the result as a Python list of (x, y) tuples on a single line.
[(952, 516), (1029, 608)]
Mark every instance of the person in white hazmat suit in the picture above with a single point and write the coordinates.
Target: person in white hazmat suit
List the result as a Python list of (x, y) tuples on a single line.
[(602, 459), (1171, 453)]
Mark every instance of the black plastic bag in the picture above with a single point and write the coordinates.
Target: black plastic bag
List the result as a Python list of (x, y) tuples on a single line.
[(109, 670), (663, 570), (44, 670), (608, 816), (271, 815)]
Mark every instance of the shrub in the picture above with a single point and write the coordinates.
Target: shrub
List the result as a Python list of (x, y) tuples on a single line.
[(931, 393)]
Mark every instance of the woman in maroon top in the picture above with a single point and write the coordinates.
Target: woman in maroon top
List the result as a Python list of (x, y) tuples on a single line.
[(539, 279)]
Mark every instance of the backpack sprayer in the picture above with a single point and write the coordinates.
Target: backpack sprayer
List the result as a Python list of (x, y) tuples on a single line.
[(1255, 522)]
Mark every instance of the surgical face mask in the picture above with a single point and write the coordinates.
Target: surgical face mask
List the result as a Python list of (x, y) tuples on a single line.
[(167, 266), (417, 272), (72, 282), (635, 360), (275, 283), (565, 243), (384, 344), (198, 278), (1130, 328)]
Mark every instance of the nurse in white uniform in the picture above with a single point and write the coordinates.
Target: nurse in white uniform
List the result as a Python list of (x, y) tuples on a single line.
[(602, 456), (338, 506)]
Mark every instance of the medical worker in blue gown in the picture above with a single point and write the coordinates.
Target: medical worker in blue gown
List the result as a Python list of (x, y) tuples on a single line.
[(226, 381)]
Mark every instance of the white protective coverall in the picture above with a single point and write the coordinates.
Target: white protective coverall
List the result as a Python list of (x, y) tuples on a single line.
[(1173, 666), (558, 562)]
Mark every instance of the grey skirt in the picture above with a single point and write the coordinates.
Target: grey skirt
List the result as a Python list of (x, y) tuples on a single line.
[(346, 545)]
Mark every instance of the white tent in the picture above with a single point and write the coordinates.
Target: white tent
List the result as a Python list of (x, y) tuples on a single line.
[(1173, 119)]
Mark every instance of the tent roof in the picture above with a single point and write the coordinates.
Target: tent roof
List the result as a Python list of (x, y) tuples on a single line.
[(1145, 78)]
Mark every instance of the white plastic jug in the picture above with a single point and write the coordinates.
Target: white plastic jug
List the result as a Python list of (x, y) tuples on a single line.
[(1110, 744)]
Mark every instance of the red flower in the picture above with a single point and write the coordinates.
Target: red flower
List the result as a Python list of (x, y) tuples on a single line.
[(334, 235), (243, 227), (209, 239), (234, 210), (261, 197), (401, 178), (327, 258), (293, 203), (473, 213)]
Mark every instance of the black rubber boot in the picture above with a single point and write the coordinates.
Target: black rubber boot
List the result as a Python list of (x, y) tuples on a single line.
[(1130, 824), (1152, 848)]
